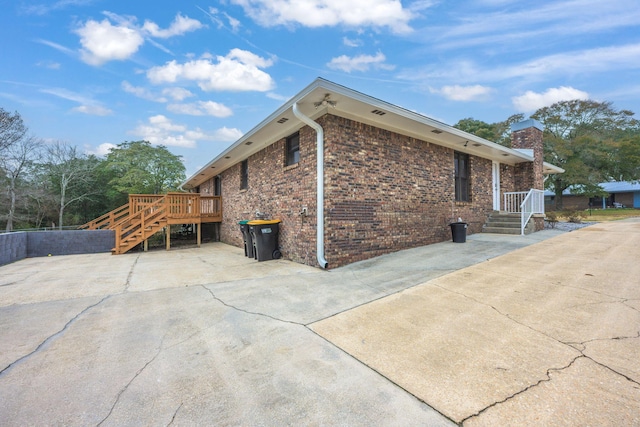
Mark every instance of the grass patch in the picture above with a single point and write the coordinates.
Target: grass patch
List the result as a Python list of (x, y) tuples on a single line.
[(600, 214)]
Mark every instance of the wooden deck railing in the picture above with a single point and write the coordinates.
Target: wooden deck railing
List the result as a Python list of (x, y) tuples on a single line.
[(107, 220), (211, 208), (146, 214)]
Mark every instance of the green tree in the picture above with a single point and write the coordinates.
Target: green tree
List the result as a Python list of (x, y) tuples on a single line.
[(140, 168), (580, 136), (499, 132), (627, 159)]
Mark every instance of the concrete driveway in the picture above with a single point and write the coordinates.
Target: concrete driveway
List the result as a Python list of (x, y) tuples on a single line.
[(548, 334)]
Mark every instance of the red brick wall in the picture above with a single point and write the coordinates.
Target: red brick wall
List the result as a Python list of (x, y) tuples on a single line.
[(530, 174), (386, 192), (280, 192), (383, 192)]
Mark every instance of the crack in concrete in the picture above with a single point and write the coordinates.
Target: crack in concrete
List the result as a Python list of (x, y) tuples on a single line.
[(573, 345), (548, 374), (9, 284), (626, 300), (130, 275), (44, 344), (250, 312), (136, 375), (174, 414)]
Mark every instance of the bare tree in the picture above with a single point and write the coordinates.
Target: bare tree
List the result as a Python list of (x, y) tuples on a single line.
[(71, 174), (12, 129), (15, 159)]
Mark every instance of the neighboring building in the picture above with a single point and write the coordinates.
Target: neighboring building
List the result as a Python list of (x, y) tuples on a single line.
[(389, 178), (620, 194)]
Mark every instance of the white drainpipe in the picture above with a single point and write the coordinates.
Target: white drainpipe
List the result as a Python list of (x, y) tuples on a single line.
[(319, 185)]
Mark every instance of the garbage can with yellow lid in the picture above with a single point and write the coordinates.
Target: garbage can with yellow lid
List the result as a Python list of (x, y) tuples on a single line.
[(264, 233)]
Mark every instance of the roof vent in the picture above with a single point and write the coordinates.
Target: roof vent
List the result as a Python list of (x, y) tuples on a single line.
[(248, 143), (438, 131), (227, 157), (378, 112), (477, 144), (282, 120)]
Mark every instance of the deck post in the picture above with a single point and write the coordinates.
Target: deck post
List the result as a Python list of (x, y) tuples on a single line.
[(168, 233), (198, 233), (145, 245)]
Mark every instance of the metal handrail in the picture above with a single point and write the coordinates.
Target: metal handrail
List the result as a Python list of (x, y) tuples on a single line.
[(526, 203), (532, 204)]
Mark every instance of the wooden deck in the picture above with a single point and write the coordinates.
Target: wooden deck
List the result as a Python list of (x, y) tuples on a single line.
[(146, 214)]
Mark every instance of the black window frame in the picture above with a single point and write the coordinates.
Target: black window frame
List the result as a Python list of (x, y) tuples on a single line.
[(293, 149), (462, 167), (244, 174)]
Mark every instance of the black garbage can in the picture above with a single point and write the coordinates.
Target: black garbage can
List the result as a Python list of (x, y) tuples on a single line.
[(459, 232), (246, 236), (265, 239)]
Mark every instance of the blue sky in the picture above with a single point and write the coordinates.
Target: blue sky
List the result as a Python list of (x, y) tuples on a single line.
[(195, 75)]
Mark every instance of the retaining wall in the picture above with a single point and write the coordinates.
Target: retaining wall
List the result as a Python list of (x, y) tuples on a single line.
[(13, 247), (20, 245)]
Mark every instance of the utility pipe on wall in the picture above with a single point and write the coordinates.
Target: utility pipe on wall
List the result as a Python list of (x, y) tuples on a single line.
[(319, 183)]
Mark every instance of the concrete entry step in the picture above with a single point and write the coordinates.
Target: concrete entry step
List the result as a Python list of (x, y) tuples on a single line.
[(505, 223)]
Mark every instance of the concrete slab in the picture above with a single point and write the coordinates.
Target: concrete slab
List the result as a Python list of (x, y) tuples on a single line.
[(207, 336), (469, 342)]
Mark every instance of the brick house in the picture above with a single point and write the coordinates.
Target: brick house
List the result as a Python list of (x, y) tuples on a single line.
[(388, 179), (619, 194)]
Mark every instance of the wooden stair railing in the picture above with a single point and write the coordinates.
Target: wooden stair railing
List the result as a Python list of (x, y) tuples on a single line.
[(108, 220), (146, 214), (139, 226)]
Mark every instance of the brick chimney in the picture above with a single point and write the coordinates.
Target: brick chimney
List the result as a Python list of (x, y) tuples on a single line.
[(526, 137)]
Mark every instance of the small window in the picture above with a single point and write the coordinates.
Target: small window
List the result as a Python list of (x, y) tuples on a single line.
[(293, 149), (217, 186), (461, 164), (244, 175)]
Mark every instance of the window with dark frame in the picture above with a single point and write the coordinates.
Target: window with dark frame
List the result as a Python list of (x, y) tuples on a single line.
[(244, 175), (461, 164), (293, 149)]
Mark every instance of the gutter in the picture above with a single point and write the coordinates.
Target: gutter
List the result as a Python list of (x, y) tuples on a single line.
[(319, 183)]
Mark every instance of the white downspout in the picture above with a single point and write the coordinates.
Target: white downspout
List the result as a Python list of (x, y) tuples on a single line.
[(319, 183)]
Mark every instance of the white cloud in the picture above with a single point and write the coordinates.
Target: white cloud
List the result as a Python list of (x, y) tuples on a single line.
[(57, 47), (160, 130), (92, 110), (141, 92), (359, 63), (103, 41), (238, 71), (49, 64), (329, 13), (463, 93), (226, 134), (177, 93), (100, 150), (43, 9), (591, 60), (351, 42), (87, 104), (277, 97), (201, 108), (532, 101), (180, 25)]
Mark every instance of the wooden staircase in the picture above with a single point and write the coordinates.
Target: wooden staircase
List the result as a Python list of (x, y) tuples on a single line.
[(506, 223), (147, 214)]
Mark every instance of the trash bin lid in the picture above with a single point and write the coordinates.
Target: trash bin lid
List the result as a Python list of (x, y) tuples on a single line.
[(243, 222), (263, 221)]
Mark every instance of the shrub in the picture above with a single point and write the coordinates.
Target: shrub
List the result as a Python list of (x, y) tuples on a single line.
[(575, 216), (552, 219)]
